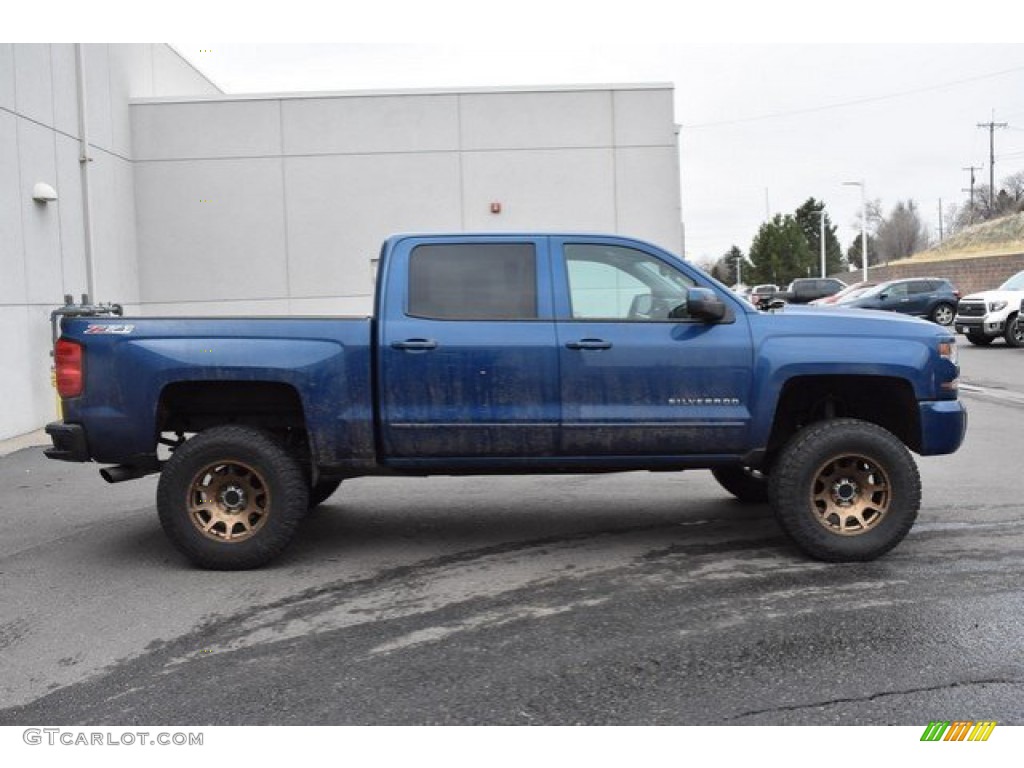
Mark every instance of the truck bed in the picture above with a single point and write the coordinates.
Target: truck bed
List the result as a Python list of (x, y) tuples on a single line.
[(132, 361)]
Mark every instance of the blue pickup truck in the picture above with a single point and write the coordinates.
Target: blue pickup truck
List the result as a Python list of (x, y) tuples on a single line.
[(514, 353)]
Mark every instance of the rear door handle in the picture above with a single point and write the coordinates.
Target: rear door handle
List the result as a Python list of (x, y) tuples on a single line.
[(589, 344), (415, 345)]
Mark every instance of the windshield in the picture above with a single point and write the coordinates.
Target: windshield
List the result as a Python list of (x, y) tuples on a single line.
[(1015, 283)]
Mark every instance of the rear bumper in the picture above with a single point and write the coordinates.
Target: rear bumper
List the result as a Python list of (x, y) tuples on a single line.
[(943, 425), (69, 442)]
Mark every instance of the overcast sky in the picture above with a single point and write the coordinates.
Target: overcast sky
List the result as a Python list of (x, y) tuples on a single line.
[(782, 122)]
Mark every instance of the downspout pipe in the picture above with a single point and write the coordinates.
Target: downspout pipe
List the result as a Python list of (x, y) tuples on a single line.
[(84, 159)]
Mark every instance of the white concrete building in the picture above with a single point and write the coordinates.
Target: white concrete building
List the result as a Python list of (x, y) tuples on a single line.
[(203, 203)]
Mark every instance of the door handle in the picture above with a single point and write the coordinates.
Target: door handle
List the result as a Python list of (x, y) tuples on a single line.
[(415, 345), (589, 344)]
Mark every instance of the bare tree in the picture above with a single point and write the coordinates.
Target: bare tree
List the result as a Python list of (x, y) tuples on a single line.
[(875, 217), (901, 233), (955, 218), (1008, 199), (1014, 186)]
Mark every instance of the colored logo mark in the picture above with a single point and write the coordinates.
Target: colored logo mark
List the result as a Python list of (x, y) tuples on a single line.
[(958, 730)]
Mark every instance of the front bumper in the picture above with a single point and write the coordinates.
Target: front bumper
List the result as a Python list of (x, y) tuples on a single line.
[(979, 325), (69, 442), (943, 426)]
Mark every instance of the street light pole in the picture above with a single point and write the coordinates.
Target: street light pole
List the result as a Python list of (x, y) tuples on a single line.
[(821, 238), (863, 224)]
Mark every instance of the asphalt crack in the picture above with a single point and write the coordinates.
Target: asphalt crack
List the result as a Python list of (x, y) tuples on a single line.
[(872, 697)]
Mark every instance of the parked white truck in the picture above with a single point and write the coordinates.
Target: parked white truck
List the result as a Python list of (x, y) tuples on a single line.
[(984, 317)]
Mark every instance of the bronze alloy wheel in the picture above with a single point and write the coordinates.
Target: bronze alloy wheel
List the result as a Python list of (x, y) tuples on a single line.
[(850, 495), (228, 501)]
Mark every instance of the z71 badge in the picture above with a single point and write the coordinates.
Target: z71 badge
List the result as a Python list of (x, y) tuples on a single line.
[(118, 329)]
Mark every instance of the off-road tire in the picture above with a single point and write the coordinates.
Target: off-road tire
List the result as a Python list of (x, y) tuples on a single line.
[(743, 483), (833, 470), (231, 498), (1014, 332)]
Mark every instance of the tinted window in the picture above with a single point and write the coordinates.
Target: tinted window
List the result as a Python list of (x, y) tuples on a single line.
[(473, 281), (919, 286)]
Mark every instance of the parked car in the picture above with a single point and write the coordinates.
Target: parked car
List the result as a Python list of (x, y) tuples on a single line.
[(934, 298), (760, 295), (849, 292), (984, 317), (804, 290)]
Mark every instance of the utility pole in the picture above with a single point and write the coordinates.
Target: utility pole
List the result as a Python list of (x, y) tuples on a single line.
[(992, 125), (972, 169), (940, 220)]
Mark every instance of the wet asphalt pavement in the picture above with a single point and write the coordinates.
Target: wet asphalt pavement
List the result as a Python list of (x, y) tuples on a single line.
[(611, 599)]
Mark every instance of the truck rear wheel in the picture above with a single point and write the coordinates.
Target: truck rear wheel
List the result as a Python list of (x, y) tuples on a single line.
[(231, 497), (845, 490), (943, 313), (746, 484)]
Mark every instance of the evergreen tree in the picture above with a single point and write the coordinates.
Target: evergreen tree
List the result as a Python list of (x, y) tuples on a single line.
[(810, 222), (728, 268), (780, 252), (853, 253)]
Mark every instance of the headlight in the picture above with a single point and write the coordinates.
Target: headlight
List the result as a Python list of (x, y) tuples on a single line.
[(995, 306), (948, 351)]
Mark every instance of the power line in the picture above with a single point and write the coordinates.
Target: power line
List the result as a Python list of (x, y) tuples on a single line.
[(855, 102)]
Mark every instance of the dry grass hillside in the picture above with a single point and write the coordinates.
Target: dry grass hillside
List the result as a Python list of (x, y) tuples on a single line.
[(991, 238)]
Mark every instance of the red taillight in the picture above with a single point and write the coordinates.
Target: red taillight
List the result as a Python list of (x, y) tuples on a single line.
[(67, 356)]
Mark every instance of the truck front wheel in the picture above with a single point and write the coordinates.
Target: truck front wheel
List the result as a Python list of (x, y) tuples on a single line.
[(845, 490), (231, 497), (1014, 333)]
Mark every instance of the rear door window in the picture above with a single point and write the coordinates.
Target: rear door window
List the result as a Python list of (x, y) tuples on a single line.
[(473, 281)]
